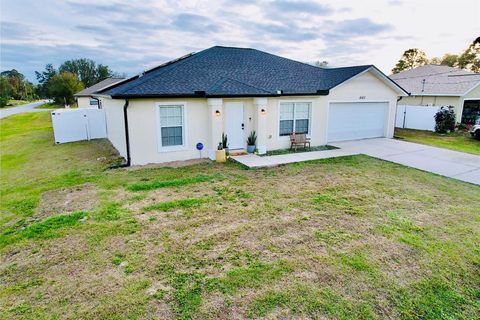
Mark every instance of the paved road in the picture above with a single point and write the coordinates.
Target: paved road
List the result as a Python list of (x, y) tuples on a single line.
[(29, 107), (448, 163)]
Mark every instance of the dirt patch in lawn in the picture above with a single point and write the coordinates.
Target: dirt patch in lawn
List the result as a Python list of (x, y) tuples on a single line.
[(79, 198)]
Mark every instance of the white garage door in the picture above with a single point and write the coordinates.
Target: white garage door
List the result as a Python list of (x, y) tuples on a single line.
[(356, 120)]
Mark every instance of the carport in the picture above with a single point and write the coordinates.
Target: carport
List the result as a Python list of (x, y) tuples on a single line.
[(471, 110)]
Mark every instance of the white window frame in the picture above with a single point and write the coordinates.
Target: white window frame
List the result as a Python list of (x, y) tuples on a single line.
[(310, 112), (181, 147), (93, 104)]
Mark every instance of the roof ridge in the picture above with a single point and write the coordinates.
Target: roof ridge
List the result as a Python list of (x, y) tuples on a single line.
[(218, 83), (425, 75), (358, 66), (241, 82), (231, 47)]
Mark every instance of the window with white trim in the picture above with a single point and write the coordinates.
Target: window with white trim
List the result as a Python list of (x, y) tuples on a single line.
[(171, 125), (93, 102), (294, 117)]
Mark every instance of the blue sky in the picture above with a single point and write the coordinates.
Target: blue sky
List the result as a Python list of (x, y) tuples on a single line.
[(131, 36)]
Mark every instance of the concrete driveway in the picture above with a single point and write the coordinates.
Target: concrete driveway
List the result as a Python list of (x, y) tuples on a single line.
[(29, 107), (453, 164)]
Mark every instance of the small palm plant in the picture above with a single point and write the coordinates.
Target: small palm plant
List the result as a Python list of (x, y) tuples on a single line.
[(224, 141), (251, 141)]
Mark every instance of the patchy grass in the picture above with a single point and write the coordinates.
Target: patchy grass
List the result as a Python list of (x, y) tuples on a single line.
[(45, 229), (343, 238), (254, 275), (334, 197), (176, 204), (458, 141), (299, 150), (332, 236), (309, 301), (144, 186)]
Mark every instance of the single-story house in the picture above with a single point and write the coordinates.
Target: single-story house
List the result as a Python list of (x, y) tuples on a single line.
[(85, 99), (437, 85), (162, 114)]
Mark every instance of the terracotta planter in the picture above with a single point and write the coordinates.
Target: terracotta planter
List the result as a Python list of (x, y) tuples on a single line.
[(220, 156)]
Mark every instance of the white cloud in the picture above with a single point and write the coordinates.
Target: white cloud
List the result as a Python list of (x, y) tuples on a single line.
[(130, 36)]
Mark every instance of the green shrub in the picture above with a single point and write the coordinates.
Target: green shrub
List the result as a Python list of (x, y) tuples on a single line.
[(445, 120), (3, 101)]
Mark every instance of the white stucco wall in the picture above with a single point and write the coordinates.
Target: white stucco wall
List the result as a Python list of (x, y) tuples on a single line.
[(115, 123), (143, 130), (202, 125), (84, 102)]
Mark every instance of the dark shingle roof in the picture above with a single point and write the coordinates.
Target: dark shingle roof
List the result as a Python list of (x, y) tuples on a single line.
[(104, 84), (229, 71)]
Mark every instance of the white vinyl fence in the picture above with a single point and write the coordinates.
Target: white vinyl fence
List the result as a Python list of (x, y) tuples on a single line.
[(416, 117), (78, 124)]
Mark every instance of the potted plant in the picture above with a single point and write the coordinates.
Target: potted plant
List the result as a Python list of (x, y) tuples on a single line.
[(225, 142), (220, 153), (251, 141)]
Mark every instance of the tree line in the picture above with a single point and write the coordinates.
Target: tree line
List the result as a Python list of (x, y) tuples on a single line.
[(60, 84), (469, 59), (13, 85)]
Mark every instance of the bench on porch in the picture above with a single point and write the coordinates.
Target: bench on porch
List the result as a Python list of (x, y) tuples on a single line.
[(299, 139)]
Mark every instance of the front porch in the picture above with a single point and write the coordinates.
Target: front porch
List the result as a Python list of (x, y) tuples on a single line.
[(237, 118)]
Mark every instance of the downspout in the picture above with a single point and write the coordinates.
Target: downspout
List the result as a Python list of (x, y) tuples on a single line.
[(127, 138), (99, 105), (404, 112)]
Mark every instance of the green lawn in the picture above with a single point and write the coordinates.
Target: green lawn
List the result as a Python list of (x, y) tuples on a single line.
[(458, 141), (343, 238)]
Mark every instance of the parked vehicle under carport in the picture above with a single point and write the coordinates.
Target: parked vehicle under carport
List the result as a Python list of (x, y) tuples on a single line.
[(475, 130)]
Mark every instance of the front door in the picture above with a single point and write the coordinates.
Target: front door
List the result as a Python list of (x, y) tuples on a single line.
[(234, 125)]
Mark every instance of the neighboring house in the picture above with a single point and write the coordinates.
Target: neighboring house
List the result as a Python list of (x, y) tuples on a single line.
[(85, 99), (162, 114), (436, 85)]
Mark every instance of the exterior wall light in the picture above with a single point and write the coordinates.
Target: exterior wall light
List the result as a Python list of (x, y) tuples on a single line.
[(217, 113), (263, 111)]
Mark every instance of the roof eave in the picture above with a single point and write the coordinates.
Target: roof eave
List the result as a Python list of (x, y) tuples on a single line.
[(243, 95), (436, 94), (83, 95), (99, 95)]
